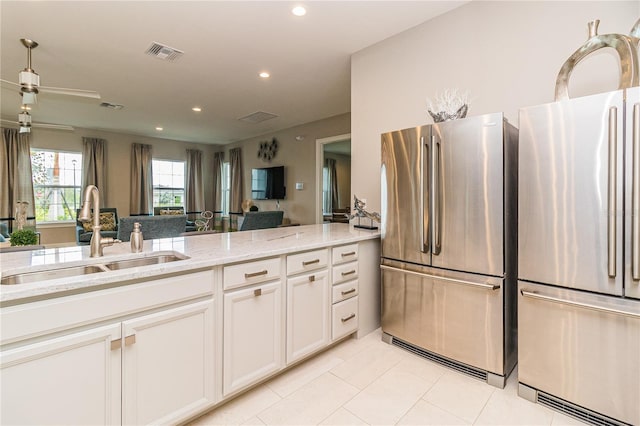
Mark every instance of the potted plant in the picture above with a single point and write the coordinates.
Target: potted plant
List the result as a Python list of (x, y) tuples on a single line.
[(24, 237)]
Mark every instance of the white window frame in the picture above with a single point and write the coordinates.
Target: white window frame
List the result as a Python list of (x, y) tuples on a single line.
[(173, 188), (226, 187), (74, 185)]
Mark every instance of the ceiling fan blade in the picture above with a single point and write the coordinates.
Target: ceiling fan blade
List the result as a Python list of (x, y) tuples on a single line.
[(40, 125), (70, 92), (10, 84)]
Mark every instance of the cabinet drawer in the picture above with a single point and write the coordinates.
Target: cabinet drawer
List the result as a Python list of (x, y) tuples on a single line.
[(251, 273), (344, 318), (343, 254), (345, 291), (345, 272), (308, 261)]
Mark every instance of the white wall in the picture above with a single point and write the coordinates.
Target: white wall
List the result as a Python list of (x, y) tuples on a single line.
[(506, 54)]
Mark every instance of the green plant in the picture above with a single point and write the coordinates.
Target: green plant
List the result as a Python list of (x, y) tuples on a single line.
[(24, 237)]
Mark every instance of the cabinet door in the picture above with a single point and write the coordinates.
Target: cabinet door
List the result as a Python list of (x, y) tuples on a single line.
[(252, 335), (168, 364), (307, 314), (68, 380)]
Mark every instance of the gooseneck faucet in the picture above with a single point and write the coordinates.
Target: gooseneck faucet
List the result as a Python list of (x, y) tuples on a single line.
[(92, 196)]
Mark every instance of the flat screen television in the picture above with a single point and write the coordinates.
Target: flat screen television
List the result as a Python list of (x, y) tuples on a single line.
[(268, 183)]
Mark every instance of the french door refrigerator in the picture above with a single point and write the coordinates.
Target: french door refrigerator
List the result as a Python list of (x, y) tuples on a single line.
[(449, 200), (579, 256)]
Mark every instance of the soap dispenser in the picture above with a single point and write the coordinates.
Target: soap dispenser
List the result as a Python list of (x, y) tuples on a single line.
[(136, 238)]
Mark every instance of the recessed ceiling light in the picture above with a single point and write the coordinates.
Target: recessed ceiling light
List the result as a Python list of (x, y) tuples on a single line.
[(299, 11), (196, 109), (159, 129), (264, 74)]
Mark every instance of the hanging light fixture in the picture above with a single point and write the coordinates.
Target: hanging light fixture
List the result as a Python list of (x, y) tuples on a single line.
[(24, 119)]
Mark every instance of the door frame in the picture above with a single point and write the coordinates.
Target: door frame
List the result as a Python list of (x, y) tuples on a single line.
[(320, 143)]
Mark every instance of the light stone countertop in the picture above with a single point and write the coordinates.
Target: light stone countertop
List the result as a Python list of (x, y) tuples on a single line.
[(204, 251)]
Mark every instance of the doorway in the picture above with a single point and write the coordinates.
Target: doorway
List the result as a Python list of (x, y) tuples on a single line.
[(333, 175)]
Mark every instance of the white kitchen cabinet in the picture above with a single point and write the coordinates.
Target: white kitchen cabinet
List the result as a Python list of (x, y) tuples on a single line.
[(345, 318), (168, 363), (308, 309), (72, 380), (252, 335)]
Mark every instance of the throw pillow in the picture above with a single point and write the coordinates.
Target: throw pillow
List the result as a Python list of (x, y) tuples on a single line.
[(171, 212), (107, 221)]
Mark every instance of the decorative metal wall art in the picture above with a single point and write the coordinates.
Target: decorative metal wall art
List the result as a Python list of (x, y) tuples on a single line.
[(268, 150), (449, 105), (626, 46)]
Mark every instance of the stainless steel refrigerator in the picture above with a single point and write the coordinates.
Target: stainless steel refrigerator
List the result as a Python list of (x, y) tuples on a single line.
[(579, 256), (449, 206)]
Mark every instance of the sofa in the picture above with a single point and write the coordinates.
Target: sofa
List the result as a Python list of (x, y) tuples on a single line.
[(261, 220), (190, 225), (163, 226), (108, 221)]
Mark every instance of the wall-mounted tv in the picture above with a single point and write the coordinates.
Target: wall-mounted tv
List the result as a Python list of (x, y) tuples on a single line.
[(268, 183)]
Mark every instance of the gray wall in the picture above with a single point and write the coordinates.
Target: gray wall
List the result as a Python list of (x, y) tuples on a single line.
[(506, 54)]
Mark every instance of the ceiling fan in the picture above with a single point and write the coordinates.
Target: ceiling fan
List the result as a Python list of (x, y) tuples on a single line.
[(29, 82)]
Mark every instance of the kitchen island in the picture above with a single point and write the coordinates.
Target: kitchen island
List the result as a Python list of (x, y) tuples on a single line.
[(130, 342)]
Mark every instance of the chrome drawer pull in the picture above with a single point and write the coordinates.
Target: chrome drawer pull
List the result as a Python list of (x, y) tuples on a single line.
[(257, 292), (344, 293), (310, 262), (256, 274), (351, 272), (348, 317), (535, 295), (351, 253), (435, 277)]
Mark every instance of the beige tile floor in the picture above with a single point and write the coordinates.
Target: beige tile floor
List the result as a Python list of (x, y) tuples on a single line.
[(368, 382)]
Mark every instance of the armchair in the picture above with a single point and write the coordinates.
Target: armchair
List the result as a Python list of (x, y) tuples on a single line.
[(108, 220)]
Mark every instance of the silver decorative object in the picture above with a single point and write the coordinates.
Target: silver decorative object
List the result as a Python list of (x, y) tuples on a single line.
[(360, 212), (441, 116), (626, 46), (449, 105)]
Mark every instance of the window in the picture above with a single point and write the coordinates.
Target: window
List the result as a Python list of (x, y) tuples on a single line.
[(168, 183), (226, 187), (326, 191), (56, 184)]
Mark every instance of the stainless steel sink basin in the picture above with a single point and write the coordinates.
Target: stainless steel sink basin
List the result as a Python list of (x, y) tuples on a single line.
[(143, 261), (50, 274)]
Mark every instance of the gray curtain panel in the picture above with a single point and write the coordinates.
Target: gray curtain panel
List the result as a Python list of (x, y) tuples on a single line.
[(235, 195), (194, 188), (218, 158), (333, 181), (141, 201), (16, 183), (94, 166)]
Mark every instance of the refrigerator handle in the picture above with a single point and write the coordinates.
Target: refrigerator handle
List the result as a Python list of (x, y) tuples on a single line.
[(436, 277), (424, 197), (589, 306), (635, 196), (612, 188), (435, 191)]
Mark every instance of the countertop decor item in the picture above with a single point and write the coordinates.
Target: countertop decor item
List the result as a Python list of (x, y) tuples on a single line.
[(449, 105), (360, 212), (625, 46), (268, 150), (24, 237)]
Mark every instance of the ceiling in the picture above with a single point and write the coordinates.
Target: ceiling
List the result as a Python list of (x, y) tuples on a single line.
[(100, 45)]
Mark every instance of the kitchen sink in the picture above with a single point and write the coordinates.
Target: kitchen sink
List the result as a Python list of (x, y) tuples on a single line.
[(74, 271), (143, 261)]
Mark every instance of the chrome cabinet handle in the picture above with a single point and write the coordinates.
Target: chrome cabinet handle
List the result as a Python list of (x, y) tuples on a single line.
[(425, 159), (352, 290), (116, 344), (130, 340), (436, 249), (351, 272), (536, 295), (348, 317), (635, 196), (257, 292), (351, 253), (256, 274), (310, 262), (312, 278), (452, 280), (612, 196)]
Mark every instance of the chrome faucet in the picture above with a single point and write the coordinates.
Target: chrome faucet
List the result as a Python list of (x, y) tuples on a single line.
[(97, 242)]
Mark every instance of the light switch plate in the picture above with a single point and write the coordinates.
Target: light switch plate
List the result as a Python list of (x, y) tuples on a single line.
[(299, 185)]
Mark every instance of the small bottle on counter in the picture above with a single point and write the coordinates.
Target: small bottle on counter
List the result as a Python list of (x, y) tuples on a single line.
[(136, 238)]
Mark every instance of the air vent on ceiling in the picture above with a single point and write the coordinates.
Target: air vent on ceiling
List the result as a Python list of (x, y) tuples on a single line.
[(257, 117), (163, 52), (111, 106)]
